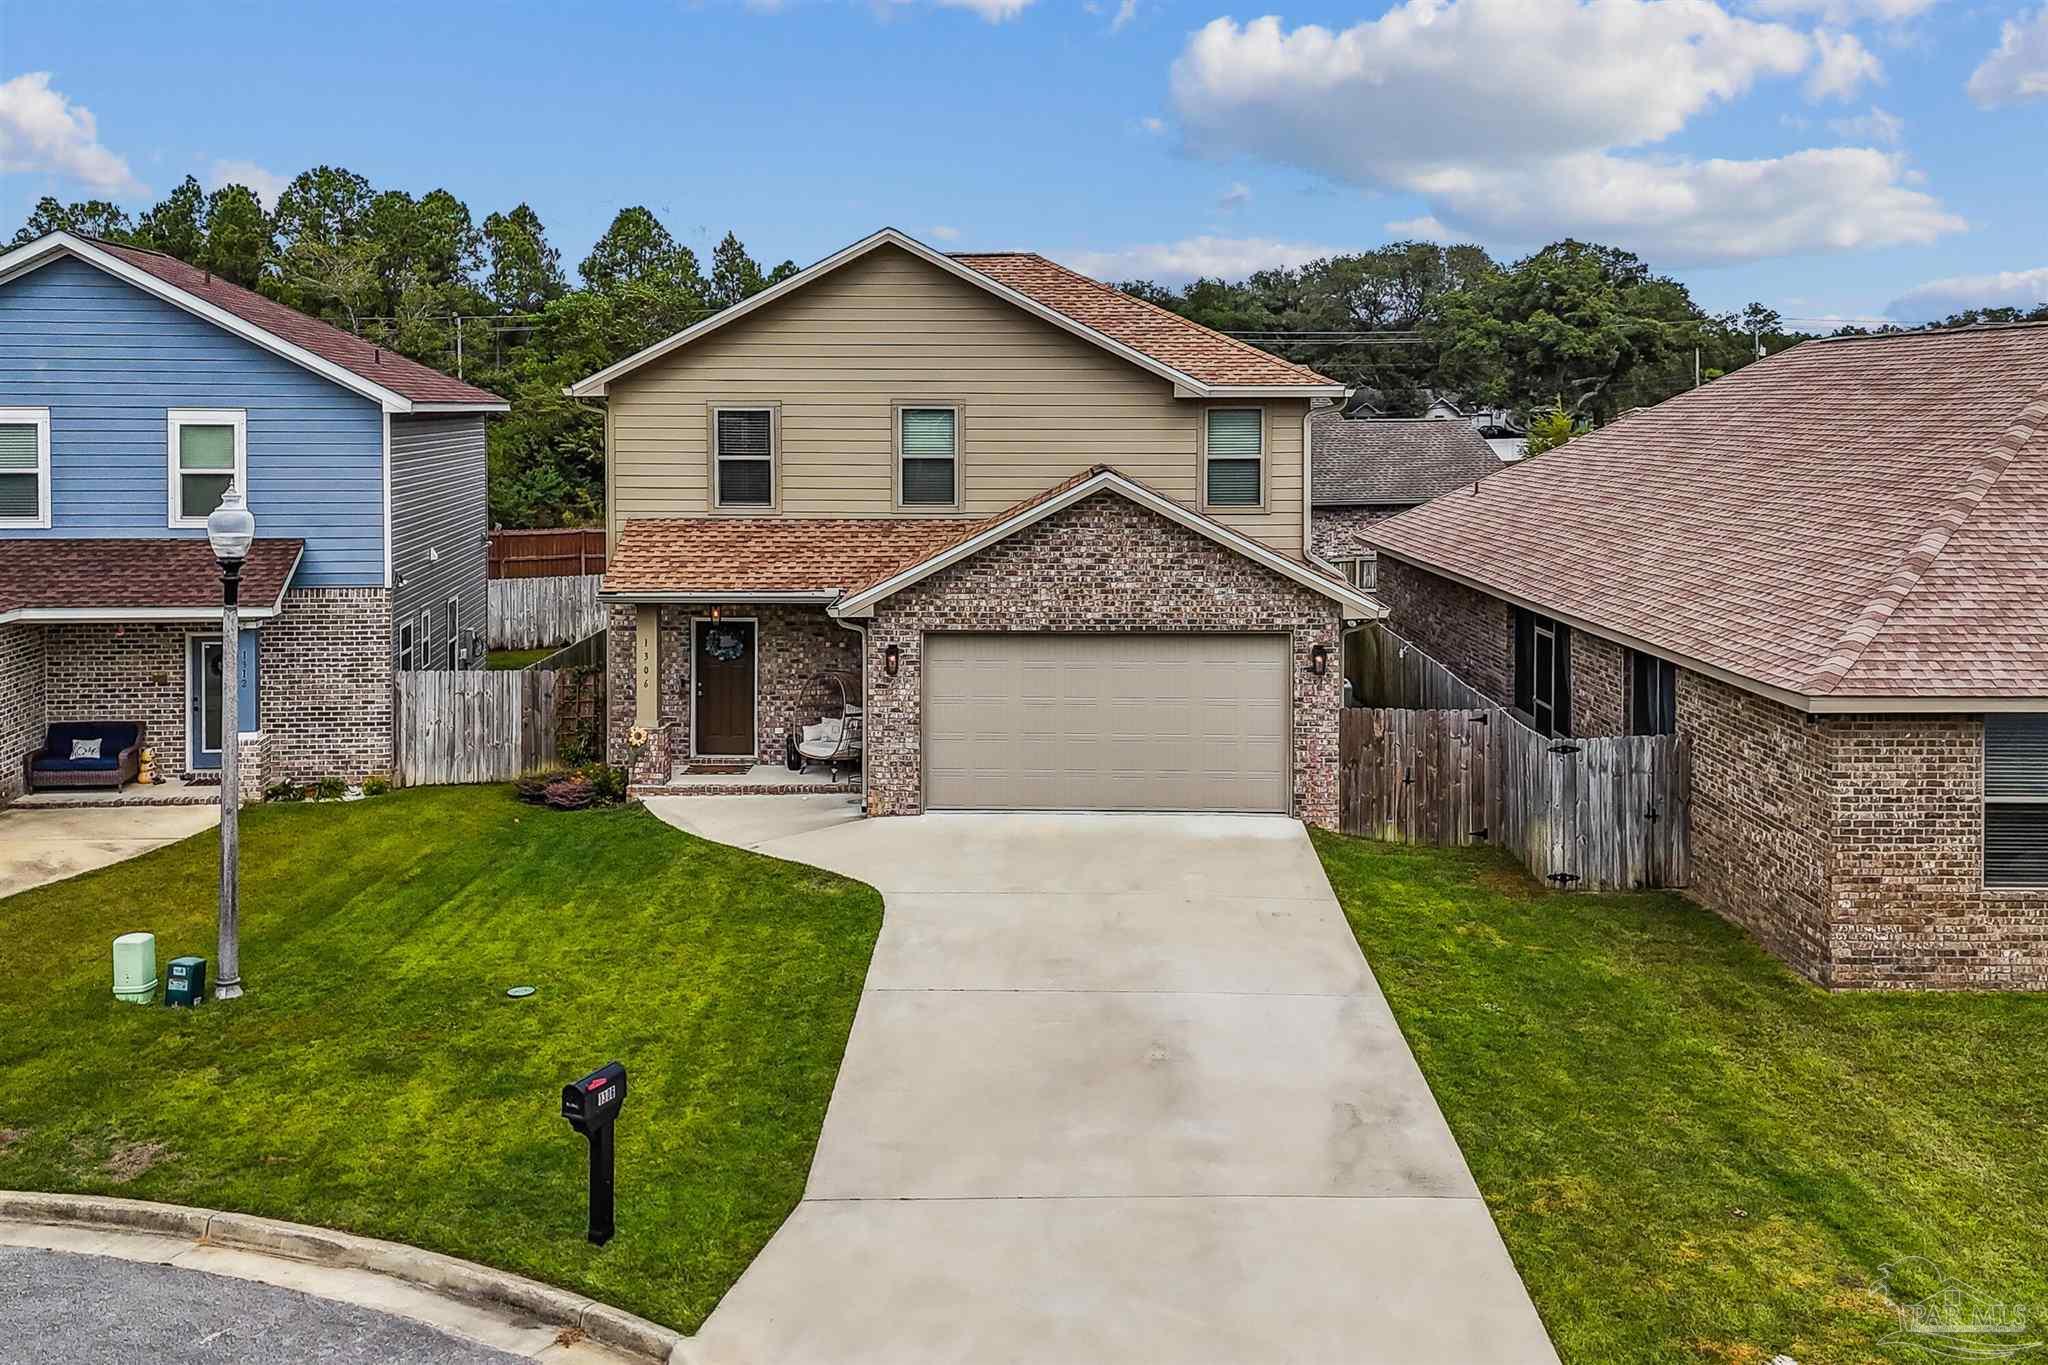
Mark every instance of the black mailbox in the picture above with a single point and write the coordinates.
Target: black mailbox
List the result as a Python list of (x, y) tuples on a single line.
[(592, 1107)]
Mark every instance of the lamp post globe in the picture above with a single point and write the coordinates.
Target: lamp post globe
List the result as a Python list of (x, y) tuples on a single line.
[(230, 530)]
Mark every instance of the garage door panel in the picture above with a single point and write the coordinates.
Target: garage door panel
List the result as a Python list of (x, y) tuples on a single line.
[(1107, 722)]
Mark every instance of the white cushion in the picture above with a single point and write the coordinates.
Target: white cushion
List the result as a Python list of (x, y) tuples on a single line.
[(85, 748), (811, 734), (831, 729)]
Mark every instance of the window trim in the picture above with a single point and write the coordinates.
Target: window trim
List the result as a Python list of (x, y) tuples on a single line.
[(743, 509), (39, 418), (177, 418), (896, 411), (452, 651), (1265, 461)]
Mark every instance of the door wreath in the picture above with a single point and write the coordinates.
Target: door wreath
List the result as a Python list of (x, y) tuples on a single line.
[(725, 644)]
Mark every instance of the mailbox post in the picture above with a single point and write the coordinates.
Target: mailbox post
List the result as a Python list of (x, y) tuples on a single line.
[(592, 1106)]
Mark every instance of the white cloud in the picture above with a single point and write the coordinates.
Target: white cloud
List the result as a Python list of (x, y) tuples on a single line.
[(1125, 12), (1878, 125), (1847, 11), (1477, 121), (1939, 298), (2018, 68), (1842, 66), (946, 234), (1235, 198), (1424, 229), (1231, 258), (42, 130), (267, 184), (1153, 124), (995, 11)]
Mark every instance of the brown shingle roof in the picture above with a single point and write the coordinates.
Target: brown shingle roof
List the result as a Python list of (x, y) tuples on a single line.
[(1194, 350), (1862, 517), (1380, 460), (769, 554), (163, 574), (378, 364)]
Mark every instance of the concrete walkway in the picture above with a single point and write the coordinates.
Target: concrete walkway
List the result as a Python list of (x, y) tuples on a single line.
[(48, 845), (1120, 1088)]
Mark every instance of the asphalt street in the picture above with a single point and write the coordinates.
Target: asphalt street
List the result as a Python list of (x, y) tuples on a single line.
[(60, 1308)]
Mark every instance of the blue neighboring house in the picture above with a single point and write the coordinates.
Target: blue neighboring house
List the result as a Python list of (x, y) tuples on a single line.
[(134, 389)]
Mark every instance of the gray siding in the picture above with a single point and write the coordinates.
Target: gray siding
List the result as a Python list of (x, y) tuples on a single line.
[(110, 361), (440, 516)]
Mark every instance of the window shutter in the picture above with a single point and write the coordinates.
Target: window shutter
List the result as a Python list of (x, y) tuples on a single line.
[(20, 464), (1235, 447)]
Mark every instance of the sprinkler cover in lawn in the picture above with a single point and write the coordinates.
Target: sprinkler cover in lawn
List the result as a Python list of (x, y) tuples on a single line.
[(592, 1106)]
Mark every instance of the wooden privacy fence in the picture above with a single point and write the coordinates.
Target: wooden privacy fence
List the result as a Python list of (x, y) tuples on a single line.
[(552, 553), (1610, 812), (1391, 672), (537, 613), (479, 725)]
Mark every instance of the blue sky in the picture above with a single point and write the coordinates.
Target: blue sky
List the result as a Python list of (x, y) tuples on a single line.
[(1832, 158)]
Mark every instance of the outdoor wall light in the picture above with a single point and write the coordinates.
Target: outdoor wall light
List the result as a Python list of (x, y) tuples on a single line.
[(714, 612), (1319, 660), (892, 659)]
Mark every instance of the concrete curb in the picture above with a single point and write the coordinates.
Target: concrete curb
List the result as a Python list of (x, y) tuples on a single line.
[(323, 1246)]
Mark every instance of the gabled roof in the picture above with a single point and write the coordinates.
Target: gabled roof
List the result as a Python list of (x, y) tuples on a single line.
[(377, 372), (167, 578), (1398, 461), (1853, 524), (1199, 362), (852, 563)]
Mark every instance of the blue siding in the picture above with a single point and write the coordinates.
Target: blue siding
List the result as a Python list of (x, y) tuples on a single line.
[(109, 361)]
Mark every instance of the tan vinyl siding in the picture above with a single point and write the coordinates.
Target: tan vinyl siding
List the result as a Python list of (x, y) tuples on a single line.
[(1036, 405)]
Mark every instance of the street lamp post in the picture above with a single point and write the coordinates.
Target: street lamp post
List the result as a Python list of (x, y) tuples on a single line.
[(230, 529)]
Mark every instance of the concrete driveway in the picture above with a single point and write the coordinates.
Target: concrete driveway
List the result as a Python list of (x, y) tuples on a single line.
[(48, 845), (1120, 1088)]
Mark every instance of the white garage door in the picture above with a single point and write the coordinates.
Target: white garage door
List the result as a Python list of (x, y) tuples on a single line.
[(1107, 722)]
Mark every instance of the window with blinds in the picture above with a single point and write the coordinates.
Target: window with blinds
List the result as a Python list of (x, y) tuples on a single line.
[(24, 467), (929, 439), (207, 455), (1236, 452), (2016, 799), (745, 457)]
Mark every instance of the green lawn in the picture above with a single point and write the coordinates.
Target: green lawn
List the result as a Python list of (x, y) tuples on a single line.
[(1692, 1154), (515, 658), (376, 1078)]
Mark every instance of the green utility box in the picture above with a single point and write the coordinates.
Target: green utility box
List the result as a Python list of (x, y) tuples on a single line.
[(185, 981)]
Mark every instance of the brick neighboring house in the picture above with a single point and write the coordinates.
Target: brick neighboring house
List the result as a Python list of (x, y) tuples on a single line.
[(1369, 468), (1057, 536), (1827, 570), (134, 389)]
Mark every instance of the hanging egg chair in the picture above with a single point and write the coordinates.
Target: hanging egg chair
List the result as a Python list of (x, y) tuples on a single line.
[(831, 722)]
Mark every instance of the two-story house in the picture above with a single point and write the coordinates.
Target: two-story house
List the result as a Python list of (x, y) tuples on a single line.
[(1060, 536), (134, 388)]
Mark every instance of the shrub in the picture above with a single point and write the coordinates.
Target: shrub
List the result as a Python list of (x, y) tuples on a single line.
[(569, 793), (284, 791), (607, 784), (533, 788), (376, 784), (331, 788)]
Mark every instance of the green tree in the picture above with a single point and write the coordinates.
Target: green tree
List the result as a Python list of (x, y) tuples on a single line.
[(735, 275), (87, 218), (522, 272), (177, 225), (1552, 427), (637, 250), (238, 242)]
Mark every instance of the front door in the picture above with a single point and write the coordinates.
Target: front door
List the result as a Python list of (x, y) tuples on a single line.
[(203, 712), (722, 666)]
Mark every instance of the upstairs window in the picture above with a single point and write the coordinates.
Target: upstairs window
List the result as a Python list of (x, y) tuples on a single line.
[(1234, 449), (928, 455), (209, 451), (2016, 799), (454, 645), (743, 456), (405, 647), (1652, 695), (24, 467), (1543, 672)]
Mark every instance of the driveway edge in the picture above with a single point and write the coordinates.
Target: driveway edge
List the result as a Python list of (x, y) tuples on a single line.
[(431, 1270)]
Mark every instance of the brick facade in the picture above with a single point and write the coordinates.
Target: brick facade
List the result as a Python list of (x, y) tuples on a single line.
[(1849, 846), (1104, 564), (793, 644), (324, 690), (1339, 532), (22, 713)]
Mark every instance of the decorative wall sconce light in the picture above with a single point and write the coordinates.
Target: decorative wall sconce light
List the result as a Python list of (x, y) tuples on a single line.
[(892, 659), (715, 613), (1319, 660)]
